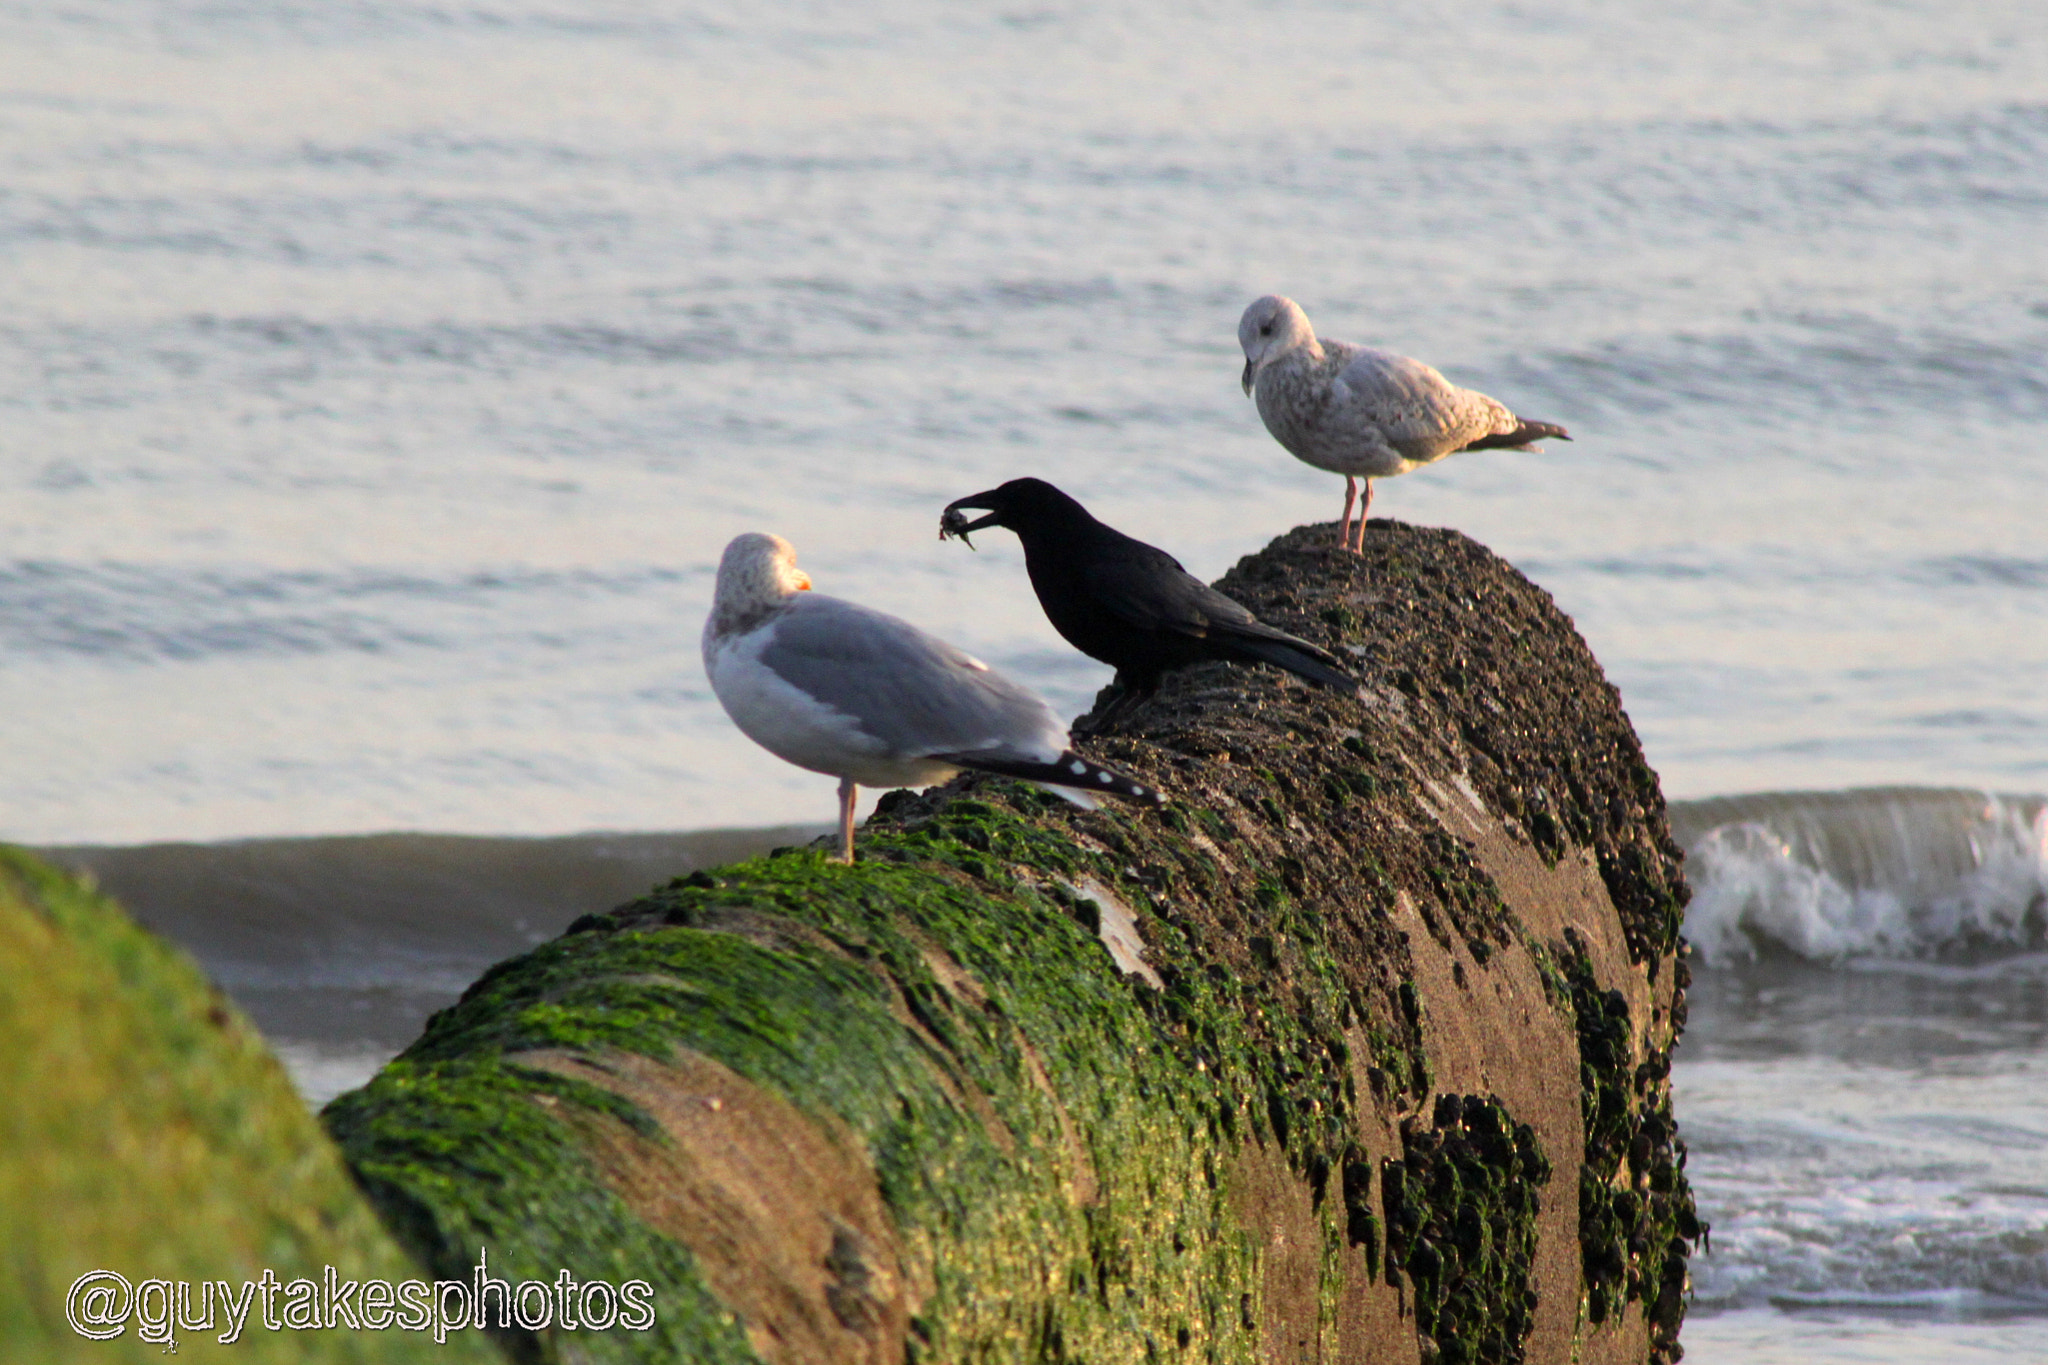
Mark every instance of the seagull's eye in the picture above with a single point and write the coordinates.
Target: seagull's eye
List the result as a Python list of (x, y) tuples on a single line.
[(1266, 330)]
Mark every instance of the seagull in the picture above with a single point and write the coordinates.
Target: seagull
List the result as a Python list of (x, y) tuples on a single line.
[(1360, 412), (1127, 603), (866, 697)]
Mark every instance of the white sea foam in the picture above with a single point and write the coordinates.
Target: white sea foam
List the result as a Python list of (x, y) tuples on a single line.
[(1888, 872), (1887, 1161), (320, 1071)]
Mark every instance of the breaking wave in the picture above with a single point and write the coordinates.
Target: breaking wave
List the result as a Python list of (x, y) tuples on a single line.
[(1883, 872)]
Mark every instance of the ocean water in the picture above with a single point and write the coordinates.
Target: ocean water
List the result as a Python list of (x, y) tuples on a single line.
[(1864, 1076), (379, 382)]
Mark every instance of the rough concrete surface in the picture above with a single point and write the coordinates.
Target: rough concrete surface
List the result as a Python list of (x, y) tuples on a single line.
[(1358, 1050)]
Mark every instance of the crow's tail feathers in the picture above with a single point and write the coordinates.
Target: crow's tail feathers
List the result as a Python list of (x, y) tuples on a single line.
[(1296, 659), (1069, 773)]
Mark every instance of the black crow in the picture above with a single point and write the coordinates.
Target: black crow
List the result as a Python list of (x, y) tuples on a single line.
[(1127, 603)]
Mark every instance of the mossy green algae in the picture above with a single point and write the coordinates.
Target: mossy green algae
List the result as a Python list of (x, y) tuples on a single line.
[(1637, 1218), (1461, 1224), (1018, 1271), (470, 1152), (148, 1131), (1162, 1087)]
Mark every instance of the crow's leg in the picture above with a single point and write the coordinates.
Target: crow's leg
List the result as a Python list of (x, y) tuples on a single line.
[(1128, 697)]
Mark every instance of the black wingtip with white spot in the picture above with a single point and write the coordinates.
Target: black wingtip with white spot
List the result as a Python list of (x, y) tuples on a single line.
[(1071, 770)]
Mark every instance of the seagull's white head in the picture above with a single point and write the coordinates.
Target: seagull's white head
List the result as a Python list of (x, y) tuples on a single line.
[(1269, 329), (756, 575)]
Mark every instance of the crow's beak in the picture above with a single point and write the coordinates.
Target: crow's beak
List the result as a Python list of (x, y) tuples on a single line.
[(1247, 378), (953, 521)]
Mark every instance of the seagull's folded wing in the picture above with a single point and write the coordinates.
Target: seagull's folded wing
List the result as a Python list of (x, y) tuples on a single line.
[(911, 691), (1416, 410)]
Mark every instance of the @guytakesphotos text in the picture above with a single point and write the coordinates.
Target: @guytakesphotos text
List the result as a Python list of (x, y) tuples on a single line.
[(103, 1304)]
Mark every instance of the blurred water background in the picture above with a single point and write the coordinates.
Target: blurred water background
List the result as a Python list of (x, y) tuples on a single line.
[(379, 382)]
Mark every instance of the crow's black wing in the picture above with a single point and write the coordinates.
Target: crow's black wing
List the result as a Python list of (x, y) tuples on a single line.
[(1147, 589)]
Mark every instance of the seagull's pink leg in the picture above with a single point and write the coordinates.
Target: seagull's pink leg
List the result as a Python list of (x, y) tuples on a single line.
[(847, 791), (1350, 496), (1363, 503)]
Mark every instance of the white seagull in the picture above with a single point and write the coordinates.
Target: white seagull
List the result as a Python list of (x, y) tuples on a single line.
[(866, 697), (1360, 412)]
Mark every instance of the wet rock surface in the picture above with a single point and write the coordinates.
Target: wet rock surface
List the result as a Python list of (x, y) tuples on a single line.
[(1355, 1051)]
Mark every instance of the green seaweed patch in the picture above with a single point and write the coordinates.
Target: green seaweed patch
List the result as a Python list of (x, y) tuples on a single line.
[(1478, 913), (469, 1153), (1274, 1039), (1391, 1067), (1648, 891), (1638, 1222), (1461, 1206), (1557, 987), (816, 980), (151, 1132), (1361, 1225)]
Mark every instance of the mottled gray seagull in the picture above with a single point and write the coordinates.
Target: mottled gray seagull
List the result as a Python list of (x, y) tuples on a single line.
[(1360, 412), (866, 697)]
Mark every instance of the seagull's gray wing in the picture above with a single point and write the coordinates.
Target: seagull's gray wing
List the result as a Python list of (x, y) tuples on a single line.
[(1417, 410), (912, 691)]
